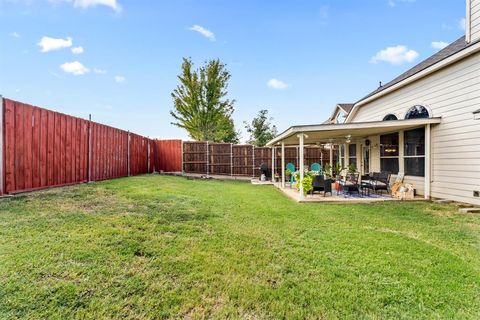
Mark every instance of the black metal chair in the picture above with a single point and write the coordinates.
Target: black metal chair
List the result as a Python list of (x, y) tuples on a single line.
[(350, 184), (320, 184), (378, 181), (383, 182)]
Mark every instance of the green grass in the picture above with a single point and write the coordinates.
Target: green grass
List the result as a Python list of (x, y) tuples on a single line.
[(155, 247)]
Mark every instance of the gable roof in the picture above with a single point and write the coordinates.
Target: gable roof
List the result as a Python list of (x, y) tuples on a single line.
[(347, 107), (448, 51)]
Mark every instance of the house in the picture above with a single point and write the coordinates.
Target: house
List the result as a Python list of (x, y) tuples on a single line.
[(425, 123)]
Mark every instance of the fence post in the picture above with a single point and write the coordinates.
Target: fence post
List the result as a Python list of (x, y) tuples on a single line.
[(148, 155), (253, 161), (208, 159), (89, 155), (128, 154), (2, 147), (231, 159), (183, 160), (273, 163)]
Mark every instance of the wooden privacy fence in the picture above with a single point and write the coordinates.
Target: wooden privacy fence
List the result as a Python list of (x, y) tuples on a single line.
[(243, 160), (168, 155), (42, 148)]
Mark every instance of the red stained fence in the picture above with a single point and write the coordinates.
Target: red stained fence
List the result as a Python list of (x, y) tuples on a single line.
[(109, 152), (171, 155), (43, 148)]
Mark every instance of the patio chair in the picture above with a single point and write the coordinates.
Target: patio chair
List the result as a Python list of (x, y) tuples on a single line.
[(350, 184), (290, 166), (383, 182), (368, 182), (316, 167), (320, 184), (377, 181)]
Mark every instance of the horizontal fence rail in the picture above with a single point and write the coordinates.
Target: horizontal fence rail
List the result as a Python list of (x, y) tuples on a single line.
[(42, 148), (242, 160)]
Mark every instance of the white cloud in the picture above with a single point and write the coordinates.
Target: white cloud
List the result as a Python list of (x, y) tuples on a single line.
[(14, 34), (120, 79), (49, 44), (395, 55), (204, 32), (439, 44), (462, 24), (277, 84), (75, 68), (77, 50), (99, 71), (84, 4)]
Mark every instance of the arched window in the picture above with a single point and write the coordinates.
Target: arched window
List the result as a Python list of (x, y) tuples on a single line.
[(417, 112), (390, 117)]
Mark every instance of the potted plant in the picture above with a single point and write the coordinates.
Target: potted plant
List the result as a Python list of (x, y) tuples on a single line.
[(352, 168), (328, 170), (336, 169), (307, 182), (288, 174)]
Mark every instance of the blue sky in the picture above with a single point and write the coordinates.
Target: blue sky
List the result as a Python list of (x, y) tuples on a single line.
[(118, 59)]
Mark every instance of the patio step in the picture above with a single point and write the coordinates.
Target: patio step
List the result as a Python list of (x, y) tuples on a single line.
[(469, 210), (442, 201)]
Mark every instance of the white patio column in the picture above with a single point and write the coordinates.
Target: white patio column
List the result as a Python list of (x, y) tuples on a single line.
[(427, 161), (401, 152), (300, 150), (331, 158), (273, 163), (347, 155), (283, 164)]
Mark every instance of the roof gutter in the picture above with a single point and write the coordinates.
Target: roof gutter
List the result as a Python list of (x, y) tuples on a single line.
[(439, 65)]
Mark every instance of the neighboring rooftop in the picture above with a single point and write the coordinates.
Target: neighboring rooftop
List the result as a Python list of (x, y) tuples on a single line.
[(448, 51)]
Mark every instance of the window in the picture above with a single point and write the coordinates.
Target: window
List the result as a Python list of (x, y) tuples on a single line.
[(340, 117), (417, 112), (390, 117), (352, 154), (415, 152), (389, 153)]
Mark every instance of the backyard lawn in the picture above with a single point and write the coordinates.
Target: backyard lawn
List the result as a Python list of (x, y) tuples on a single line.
[(152, 247)]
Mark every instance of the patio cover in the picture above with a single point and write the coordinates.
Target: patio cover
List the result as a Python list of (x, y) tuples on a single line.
[(324, 133)]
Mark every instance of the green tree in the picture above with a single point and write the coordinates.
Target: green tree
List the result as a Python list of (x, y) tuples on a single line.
[(261, 130), (200, 104)]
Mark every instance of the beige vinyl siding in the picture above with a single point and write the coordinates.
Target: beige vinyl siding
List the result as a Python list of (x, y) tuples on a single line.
[(475, 20), (452, 93)]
